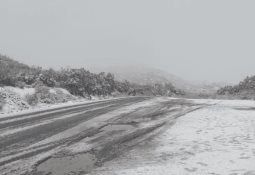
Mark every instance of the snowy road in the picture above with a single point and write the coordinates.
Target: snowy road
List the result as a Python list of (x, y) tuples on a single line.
[(98, 132), (138, 135)]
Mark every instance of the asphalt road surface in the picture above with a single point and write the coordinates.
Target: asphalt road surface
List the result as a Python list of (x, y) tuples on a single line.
[(77, 139)]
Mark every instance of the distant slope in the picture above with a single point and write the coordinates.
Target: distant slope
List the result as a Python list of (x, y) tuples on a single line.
[(148, 76), (10, 70), (144, 75), (5, 62)]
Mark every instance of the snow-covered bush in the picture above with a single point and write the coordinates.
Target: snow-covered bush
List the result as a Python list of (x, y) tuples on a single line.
[(43, 94), (60, 95), (46, 95)]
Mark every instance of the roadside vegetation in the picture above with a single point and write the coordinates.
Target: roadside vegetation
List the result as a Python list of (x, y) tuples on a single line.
[(244, 90), (78, 82)]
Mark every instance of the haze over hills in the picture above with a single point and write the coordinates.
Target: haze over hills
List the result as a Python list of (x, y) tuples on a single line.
[(144, 75)]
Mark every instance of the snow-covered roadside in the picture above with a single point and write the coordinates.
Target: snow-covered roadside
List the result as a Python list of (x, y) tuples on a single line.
[(45, 107), (16, 104), (218, 139), (226, 103)]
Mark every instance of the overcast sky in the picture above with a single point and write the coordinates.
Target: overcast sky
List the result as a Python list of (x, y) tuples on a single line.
[(198, 40)]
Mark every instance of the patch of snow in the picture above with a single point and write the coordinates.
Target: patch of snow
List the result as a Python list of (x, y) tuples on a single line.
[(64, 91), (21, 92), (52, 91)]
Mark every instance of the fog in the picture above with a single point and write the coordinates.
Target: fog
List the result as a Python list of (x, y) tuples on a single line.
[(197, 40)]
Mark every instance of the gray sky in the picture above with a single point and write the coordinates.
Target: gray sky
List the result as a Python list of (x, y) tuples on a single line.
[(197, 40)]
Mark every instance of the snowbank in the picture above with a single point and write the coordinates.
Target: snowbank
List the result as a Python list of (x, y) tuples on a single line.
[(20, 92)]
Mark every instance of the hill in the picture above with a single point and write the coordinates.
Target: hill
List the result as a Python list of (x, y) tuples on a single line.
[(144, 75), (7, 61), (9, 69)]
